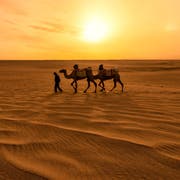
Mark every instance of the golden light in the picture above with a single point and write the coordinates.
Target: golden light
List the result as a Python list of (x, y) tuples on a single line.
[(170, 27), (95, 30)]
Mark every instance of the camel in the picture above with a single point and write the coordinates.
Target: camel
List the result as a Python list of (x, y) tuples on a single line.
[(107, 74), (85, 73)]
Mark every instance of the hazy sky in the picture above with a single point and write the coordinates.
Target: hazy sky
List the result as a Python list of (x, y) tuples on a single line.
[(54, 29)]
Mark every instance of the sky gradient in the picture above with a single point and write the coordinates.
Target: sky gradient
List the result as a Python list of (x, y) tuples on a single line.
[(46, 29)]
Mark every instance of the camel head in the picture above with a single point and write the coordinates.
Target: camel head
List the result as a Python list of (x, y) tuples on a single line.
[(62, 71)]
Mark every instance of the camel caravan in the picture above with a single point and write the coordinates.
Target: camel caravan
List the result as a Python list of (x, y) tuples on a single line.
[(87, 73)]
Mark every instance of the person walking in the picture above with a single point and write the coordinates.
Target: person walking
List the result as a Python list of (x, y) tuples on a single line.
[(57, 82)]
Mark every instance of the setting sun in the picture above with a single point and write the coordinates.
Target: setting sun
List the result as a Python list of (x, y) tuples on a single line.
[(76, 29), (95, 30)]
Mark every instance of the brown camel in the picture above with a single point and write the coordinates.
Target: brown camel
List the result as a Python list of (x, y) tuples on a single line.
[(85, 73), (107, 74)]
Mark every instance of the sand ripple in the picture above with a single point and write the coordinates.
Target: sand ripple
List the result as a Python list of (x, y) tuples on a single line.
[(134, 135)]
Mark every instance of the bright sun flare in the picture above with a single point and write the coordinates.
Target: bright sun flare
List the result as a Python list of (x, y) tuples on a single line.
[(95, 31)]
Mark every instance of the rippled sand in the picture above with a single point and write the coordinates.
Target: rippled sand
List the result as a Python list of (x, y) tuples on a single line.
[(110, 135)]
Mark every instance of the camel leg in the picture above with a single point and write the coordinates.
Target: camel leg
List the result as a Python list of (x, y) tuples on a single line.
[(74, 87), (72, 84), (87, 86), (95, 85), (115, 82), (102, 87), (122, 85)]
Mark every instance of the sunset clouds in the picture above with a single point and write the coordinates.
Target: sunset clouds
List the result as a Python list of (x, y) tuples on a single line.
[(47, 29)]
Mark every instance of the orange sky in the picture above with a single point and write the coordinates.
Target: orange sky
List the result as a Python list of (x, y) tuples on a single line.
[(53, 29)]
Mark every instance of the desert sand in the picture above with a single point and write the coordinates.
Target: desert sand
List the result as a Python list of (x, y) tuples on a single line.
[(107, 135)]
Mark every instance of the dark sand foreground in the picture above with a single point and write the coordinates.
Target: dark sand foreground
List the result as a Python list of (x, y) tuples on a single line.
[(110, 135)]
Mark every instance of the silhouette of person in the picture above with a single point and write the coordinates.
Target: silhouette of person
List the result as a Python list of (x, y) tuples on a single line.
[(57, 81), (101, 67), (76, 69), (102, 71)]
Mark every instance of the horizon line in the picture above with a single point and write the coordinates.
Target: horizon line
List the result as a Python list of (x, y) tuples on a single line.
[(148, 59)]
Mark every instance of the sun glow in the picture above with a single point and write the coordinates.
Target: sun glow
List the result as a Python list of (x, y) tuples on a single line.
[(95, 30)]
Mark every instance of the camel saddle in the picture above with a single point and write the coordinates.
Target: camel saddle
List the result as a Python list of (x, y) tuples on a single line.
[(108, 72), (81, 73)]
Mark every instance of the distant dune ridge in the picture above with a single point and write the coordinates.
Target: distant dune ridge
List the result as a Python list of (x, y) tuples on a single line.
[(109, 135)]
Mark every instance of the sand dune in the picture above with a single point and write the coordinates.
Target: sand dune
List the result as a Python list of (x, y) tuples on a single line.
[(110, 135)]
